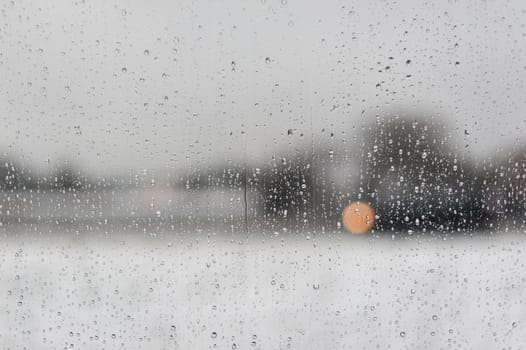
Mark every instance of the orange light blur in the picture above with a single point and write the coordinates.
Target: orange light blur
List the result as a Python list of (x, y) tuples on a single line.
[(358, 217)]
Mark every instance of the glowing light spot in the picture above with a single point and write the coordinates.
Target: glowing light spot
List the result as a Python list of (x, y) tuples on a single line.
[(358, 217)]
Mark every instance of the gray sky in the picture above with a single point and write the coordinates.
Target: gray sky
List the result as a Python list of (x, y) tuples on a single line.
[(114, 85)]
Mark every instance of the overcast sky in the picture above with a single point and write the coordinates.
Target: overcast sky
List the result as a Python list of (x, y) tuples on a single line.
[(114, 85)]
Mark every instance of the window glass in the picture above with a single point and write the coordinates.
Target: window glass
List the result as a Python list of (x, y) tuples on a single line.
[(262, 175)]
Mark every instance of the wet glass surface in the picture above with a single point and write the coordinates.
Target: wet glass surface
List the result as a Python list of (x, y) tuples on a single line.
[(262, 175)]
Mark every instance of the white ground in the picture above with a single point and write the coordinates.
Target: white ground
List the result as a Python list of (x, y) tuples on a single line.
[(256, 292)]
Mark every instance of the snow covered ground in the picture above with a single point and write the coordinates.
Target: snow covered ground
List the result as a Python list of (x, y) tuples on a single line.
[(206, 291)]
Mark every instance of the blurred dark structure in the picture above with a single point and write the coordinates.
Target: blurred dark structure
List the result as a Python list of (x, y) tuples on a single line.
[(412, 177), (12, 177), (414, 180), (65, 178), (504, 188), (403, 164), (286, 189)]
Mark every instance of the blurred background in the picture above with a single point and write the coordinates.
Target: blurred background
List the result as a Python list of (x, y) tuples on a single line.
[(119, 110), (160, 153)]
